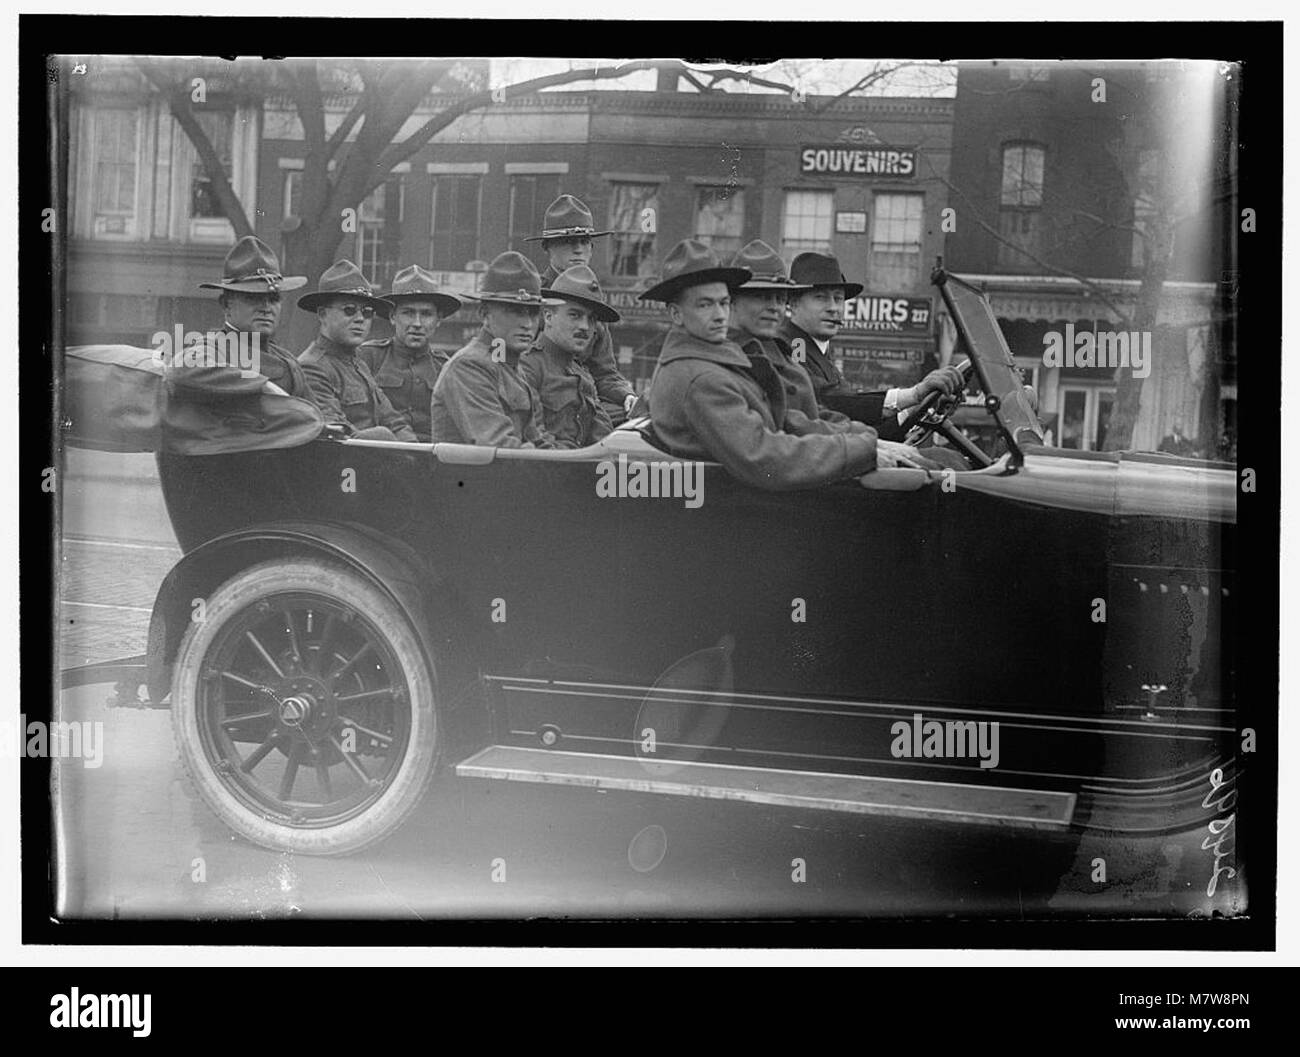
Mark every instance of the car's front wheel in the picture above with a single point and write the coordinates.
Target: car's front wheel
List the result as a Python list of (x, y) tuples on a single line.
[(303, 706)]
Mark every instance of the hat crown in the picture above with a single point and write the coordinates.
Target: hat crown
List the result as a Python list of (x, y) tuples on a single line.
[(687, 257), (763, 261), (512, 273), (818, 269), (344, 277), (414, 280), (579, 280), (568, 214), (251, 258)]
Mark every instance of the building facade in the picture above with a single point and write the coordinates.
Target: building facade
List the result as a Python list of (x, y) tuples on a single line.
[(1067, 180)]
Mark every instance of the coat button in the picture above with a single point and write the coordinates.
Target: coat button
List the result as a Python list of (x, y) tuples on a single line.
[(790, 389)]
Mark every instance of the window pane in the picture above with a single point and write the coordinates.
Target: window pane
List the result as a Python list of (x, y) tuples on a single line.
[(807, 222), (896, 230), (1073, 409), (1022, 175), (1105, 404), (115, 154), (529, 196), (379, 233), (455, 222), (632, 209), (219, 127), (292, 192), (720, 219)]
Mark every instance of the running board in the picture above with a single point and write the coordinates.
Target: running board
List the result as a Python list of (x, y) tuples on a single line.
[(903, 798)]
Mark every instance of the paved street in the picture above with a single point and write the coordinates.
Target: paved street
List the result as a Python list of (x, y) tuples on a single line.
[(136, 842)]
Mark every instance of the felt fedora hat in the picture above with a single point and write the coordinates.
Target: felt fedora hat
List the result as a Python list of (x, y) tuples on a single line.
[(252, 268), (512, 279), (567, 218), (579, 285), (821, 269), (343, 279), (769, 270), (415, 284), (692, 263)]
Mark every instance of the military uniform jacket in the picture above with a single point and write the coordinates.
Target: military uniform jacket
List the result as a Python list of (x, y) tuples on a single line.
[(835, 394), (346, 392), (209, 380), (571, 411), (407, 377), (611, 386), (710, 401), (479, 400), (798, 386)]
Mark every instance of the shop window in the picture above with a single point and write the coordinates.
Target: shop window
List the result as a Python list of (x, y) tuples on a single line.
[(530, 194), (455, 224), (720, 219), (897, 226), (1020, 220), (292, 193), (1084, 416), (806, 222), (634, 220)]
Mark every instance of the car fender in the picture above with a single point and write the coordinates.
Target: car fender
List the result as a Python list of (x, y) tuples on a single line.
[(422, 592)]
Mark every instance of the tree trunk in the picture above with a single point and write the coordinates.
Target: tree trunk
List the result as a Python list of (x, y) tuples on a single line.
[(1128, 395), (309, 251)]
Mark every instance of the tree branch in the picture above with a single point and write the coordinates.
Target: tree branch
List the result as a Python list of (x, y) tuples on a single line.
[(178, 101)]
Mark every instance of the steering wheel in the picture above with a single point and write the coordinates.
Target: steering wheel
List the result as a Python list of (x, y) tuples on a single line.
[(932, 415)]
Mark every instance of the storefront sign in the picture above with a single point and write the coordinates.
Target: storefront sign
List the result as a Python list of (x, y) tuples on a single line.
[(626, 304), (857, 161), (875, 313)]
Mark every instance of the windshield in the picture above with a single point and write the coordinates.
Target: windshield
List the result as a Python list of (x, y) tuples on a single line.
[(994, 365)]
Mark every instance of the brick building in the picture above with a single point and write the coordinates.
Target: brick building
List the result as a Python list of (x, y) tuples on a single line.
[(1058, 171)]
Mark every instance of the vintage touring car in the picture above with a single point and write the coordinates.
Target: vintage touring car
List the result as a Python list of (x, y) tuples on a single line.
[(350, 616)]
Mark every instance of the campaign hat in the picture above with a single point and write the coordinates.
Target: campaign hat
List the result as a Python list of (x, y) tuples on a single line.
[(580, 285), (567, 218), (343, 279), (692, 263), (512, 279), (252, 268), (416, 284)]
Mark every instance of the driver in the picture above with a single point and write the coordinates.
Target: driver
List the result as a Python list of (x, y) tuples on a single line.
[(708, 400), (816, 315)]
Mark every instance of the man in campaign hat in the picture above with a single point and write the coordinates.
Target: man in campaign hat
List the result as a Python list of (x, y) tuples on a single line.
[(250, 285), (708, 400), (404, 366), (816, 316), (568, 234), (480, 396), (556, 365), (345, 304), (757, 317)]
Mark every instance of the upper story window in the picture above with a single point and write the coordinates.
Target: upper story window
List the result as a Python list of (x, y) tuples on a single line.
[(379, 229), (806, 222), (634, 221), (720, 219), (455, 226), (897, 227), (115, 148), (530, 194), (1020, 221)]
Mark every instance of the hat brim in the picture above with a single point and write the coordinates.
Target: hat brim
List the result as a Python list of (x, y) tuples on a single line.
[(513, 299), (769, 284), (257, 286), (599, 309), (669, 288), (311, 302), (593, 234), (446, 304)]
